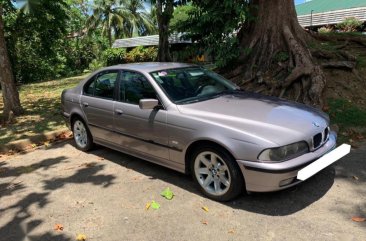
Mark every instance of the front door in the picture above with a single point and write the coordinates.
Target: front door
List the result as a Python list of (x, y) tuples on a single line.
[(141, 130)]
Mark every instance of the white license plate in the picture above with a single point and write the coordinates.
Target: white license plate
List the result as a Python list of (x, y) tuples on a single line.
[(323, 162)]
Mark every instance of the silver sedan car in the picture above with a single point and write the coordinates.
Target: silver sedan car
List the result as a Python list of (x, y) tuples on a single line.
[(194, 121)]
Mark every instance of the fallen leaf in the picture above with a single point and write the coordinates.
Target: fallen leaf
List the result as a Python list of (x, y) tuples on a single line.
[(205, 208), (204, 222), (231, 231), (155, 205), (89, 164), (81, 237), (326, 108), (46, 143), (167, 193), (358, 219), (33, 145), (147, 206), (58, 227), (355, 177)]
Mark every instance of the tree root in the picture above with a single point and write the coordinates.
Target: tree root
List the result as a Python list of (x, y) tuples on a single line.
[(343, 45), (340, 64)]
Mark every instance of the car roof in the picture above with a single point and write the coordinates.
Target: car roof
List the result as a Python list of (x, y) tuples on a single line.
[(150, 66)]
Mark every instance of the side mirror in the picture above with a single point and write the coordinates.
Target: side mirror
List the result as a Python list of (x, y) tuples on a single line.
[(148, 104)]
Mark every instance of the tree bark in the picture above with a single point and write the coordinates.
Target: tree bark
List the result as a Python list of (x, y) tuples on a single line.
[(9, 90), (164, 10), (274, 48)]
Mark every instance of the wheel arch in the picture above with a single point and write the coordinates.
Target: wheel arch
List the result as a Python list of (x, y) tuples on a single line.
[(75, 116), (197, 144)]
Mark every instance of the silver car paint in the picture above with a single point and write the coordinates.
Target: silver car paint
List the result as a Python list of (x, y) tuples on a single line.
[(244, 124)]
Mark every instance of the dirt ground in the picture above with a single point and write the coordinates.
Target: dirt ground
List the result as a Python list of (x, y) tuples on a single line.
[(102, 194)]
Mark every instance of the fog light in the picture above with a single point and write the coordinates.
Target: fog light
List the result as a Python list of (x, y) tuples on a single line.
[(286, 181)]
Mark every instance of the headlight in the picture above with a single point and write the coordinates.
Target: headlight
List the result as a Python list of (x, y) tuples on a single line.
[(284, 153)]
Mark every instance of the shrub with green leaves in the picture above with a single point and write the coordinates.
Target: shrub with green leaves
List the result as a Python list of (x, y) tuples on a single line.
[(115, 56), (350, 24), (142, 54), (325, 30)]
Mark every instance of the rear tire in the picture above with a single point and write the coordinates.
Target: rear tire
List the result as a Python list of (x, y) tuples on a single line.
[(82, 136), (216, 173)]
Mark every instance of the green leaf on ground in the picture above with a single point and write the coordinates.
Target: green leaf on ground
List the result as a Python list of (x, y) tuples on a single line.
[(167, 193), (155, 205)]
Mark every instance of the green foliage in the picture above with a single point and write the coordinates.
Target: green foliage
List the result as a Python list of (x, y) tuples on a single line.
[(95, 65), (120, 19), (212, 24), (181, 14), (33, 40), (142, 54), (350, 24), (361, 62), (325, 30), (115, 56), (281, 57), (346, 114)]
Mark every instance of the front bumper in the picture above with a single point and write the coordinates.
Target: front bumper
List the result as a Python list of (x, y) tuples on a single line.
[(268, 177)]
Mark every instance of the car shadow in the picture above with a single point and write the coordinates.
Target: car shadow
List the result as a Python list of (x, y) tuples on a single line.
[(281, 203)]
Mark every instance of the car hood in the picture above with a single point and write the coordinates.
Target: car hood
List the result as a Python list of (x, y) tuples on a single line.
[(276, 120)]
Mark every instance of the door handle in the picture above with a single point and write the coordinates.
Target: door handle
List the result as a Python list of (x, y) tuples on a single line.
[(118, 111), (85, 104)]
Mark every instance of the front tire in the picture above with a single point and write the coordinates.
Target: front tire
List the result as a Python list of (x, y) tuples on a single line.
[(82, 137), (216, 173)]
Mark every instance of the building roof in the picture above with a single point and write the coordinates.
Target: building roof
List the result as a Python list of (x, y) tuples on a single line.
[(152, 40), (148, 67), (328, 12), (321, 6)]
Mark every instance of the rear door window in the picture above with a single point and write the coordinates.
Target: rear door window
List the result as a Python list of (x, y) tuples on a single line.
[(102, 85)]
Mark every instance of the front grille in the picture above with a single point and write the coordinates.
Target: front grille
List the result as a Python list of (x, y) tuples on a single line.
[(317, 140), (320, 138), (326, 134)]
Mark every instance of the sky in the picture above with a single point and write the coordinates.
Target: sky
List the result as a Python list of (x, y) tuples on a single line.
[(299, 1)]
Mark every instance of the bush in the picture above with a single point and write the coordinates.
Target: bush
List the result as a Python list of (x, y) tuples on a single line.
[(325, 30), (350, 24), (115, 56), (95, 65), (142, 54)]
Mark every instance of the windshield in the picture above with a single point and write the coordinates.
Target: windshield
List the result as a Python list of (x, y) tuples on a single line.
[(187, 85)]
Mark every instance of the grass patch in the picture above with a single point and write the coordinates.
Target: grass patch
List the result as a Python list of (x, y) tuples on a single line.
[(42, 104), (346, 114), (350, 119), (361, 62)]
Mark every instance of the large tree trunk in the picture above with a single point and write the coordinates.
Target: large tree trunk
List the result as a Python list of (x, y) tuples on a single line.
[(275, 56), (9, 90), (164, 12)]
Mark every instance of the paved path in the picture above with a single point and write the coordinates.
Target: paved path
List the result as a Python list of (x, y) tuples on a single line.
[(102, 194)]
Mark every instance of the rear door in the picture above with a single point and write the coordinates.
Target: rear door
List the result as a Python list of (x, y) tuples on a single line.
[(140, 130), (98, 101)]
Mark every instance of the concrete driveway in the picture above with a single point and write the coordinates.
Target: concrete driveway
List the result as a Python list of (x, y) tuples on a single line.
[(103, 194)]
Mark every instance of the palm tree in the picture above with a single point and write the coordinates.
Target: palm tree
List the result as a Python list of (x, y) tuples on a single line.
[(121, 18), (139, 21), (107, 14)]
